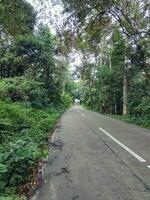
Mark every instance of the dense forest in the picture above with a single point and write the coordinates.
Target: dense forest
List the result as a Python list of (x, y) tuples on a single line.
[(111, 38), (113, 41)]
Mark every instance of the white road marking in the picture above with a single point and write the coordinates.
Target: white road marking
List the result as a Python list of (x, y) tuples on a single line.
[(148, 166), (82, 115), (139, 158)]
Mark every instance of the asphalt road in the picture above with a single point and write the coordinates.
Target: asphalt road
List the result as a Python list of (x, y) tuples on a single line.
[(95, 157)]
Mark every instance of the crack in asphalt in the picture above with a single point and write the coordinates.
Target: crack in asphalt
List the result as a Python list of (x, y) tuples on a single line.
[(75, 197), (63, 170), (57, 144)]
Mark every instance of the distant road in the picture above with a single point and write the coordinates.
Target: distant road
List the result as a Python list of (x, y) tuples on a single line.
[(95, 157)]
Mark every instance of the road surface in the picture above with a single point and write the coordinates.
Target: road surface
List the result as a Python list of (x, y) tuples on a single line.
[(95, 157)]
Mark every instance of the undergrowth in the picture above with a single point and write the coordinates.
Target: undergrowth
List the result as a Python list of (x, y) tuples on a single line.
[(26, 120)]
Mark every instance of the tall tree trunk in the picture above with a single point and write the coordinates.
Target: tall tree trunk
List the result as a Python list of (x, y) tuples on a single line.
[(125, 94), (115, 108), (109, 59), (1, 71)]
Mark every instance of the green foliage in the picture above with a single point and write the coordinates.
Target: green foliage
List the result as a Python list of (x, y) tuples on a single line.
[(26, 117), (33, 56), (16, 16), (102, 84), (71, 88), (10, 198), (140, 121), (18, 157), (118, 52), (116, 35), (22, 89), (32, 94), (103, 90), (67, 100), (23, 141)]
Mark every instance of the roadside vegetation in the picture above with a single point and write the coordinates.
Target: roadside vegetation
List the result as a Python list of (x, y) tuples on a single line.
[(35, 89), (141, 121)]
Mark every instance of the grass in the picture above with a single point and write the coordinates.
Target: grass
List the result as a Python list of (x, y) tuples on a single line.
[(143, 122)]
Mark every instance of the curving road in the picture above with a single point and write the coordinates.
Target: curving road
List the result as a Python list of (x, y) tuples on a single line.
[(95, 157)]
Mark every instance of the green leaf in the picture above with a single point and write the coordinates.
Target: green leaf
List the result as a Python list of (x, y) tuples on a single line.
[(3, 168)]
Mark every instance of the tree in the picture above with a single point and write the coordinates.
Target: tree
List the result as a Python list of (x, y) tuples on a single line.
[(131, 16), (16, 17), (120, 67)]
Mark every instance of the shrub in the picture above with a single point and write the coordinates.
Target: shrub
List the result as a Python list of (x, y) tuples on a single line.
[(22, 89), (25, 122), (17, 159), (24, 137), (10, 198), (67, 100)]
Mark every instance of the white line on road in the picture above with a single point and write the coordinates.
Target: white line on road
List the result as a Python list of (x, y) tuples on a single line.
[(82, 115), (139, 158), (148, 166)]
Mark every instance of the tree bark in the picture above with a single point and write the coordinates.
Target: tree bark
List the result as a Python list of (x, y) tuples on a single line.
[(115, 108), (125, 95)]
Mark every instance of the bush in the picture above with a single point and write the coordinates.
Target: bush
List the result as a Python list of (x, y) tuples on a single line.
[(10, 198), (21, 89), (24, 137), (67, 100), (25, 122), (17, 159)]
